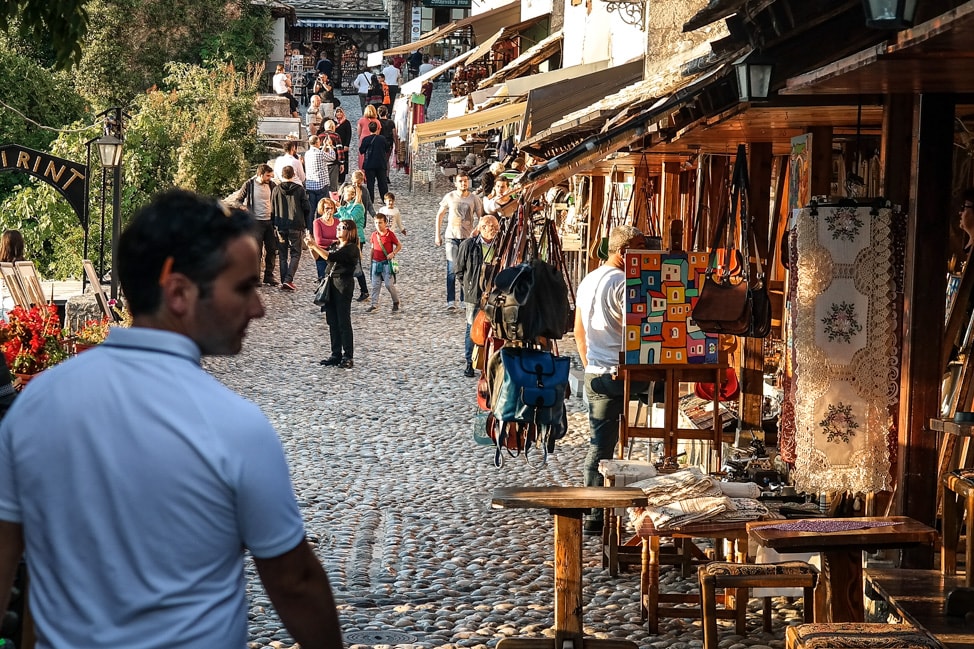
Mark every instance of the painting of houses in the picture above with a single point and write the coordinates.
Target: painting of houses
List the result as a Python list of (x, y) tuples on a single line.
[(661, 289)]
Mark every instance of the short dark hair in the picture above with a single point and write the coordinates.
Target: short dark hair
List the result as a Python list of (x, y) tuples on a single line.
[(264, 168), (350, 226), (373, 127), (383, 111), (389, 195), (193, 230), (287, 173)]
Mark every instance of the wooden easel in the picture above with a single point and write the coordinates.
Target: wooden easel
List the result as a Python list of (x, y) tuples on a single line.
[(670, 432)]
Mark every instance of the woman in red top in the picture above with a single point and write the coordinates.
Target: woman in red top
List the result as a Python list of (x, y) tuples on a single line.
[(325, 234), (385, 246)]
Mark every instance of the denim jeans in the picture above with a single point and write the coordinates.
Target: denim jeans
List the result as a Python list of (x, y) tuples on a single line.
[(290, 253), (267, 241), (314, 195), (321, 265), (452, 247), (382, 273), (605, 407)]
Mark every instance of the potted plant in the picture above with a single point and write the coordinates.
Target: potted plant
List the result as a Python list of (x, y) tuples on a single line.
[(31, 340), (93, 333)]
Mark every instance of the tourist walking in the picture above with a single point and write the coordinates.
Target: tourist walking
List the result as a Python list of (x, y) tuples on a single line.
[(388, 129), (255, 197), (316, 168), (393, 215), (289, 159), (353, 210), (473, 253), (392, 75), (375, 151), (599, 322), (370, 116), (330, 140), (216, 477), (344, 129), (385, 246), (362, 84), (338, 310), (462, 209), (290, 209)]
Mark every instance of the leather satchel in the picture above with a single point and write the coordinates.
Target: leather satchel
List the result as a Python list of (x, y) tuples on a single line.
[(323, 291), (724, 306), (533, 387)]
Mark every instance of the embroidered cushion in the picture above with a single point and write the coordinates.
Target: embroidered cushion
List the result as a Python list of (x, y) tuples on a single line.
[(723, 568), (858, 635)]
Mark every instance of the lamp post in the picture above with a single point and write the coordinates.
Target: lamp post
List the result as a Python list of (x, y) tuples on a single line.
[(110, 153), (753, 77), (889, 14)]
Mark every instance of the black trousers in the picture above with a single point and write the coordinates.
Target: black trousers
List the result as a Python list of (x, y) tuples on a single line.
[(338, 313), (266, 244)]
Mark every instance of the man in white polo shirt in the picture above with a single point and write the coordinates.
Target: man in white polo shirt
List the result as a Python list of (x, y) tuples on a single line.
[(133, 482)]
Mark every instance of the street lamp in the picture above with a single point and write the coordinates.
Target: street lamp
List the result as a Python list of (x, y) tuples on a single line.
[(889, 14), (109, 151), (753, 77)]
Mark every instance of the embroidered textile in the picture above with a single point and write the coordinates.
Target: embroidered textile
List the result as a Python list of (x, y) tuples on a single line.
[(828, 525), (844, 324), (680, 485)]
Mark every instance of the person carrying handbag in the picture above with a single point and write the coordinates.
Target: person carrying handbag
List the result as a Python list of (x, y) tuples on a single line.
[(338, 310), (385, 246), (375, 150)]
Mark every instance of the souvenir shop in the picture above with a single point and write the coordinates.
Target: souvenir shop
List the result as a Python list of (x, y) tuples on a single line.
[(347, 42)]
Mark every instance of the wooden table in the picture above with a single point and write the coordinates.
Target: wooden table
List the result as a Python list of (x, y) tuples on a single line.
[(567, 506), (838, 597)]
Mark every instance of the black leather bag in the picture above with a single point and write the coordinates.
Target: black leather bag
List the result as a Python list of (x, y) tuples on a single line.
[(323, 292), (724, 306)]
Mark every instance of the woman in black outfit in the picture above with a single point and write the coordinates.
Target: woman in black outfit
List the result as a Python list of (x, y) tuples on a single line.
[(344, 129), (342, 264)]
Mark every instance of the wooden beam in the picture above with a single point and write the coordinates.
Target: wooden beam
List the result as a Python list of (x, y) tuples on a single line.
[(595, 220), (670, 196), (928, 226)]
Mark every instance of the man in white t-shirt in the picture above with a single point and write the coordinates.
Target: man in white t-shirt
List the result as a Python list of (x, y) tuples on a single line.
[(463, 209), (599, 321), (392, 76), (362, 84), (289, 159)]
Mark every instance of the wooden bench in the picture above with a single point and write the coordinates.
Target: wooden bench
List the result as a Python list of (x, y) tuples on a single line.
[(917, 597)]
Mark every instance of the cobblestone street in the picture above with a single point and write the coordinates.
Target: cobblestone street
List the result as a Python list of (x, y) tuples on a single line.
[(396, 496)]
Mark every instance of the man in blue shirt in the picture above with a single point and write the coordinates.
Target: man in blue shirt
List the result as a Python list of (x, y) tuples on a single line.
[(133, 481)]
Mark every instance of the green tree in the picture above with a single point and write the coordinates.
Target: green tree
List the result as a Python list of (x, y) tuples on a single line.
[(197, 131), (131, 41), (62, 23)]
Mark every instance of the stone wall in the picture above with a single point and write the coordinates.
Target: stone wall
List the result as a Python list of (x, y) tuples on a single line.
[(664, 32)]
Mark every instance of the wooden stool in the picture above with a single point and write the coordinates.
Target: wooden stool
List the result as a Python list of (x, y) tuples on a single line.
[(958, 506), (744, 576), (858, 635)]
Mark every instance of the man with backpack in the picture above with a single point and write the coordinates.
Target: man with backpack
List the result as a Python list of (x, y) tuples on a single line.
[(255, 197), (362, 84)]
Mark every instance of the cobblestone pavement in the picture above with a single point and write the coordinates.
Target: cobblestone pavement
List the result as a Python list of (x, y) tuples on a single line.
[(395, 495)]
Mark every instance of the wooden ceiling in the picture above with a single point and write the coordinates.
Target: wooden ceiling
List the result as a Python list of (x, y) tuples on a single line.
[(934, 57)]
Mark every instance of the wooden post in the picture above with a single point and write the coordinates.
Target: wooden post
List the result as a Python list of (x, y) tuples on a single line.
[(927, 234), (595, 220), (670, 196), (752, 358), (821, 181), (568, 576)]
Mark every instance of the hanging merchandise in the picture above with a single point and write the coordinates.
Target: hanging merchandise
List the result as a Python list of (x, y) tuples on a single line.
[(642, 203), (844, 336)]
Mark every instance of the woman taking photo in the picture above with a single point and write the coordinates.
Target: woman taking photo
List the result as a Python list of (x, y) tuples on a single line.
[(338, 311)]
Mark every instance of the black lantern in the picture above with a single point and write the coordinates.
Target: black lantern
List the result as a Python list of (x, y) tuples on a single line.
[(753, 77), (889, 14), (109, 151)]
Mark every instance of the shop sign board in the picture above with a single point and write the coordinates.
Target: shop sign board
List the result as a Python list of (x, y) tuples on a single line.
[(456, 4)]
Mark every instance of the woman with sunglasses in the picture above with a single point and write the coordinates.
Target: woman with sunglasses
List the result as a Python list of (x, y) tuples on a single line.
[(325, 235), (343, 261)]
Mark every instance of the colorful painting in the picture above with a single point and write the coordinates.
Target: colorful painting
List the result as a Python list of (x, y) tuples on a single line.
[(661, 289)]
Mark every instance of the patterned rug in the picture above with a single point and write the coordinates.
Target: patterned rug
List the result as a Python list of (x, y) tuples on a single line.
[(844, 325)]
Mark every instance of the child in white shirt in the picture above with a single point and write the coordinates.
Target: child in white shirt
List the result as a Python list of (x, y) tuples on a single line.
[(393, 215)]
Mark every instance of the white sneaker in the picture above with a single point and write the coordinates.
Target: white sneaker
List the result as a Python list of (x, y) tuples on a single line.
[(451, 306)]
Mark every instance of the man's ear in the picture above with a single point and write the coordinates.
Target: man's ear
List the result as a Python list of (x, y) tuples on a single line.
[(179, 294)]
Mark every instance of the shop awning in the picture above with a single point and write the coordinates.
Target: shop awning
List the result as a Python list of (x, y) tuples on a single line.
[(620, 132), (484, 25), (344, 23), (549, 103), (478, 122), (543, 50)]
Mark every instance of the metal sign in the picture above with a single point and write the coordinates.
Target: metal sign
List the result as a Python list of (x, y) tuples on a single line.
[(66, 176), (456, 4)]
